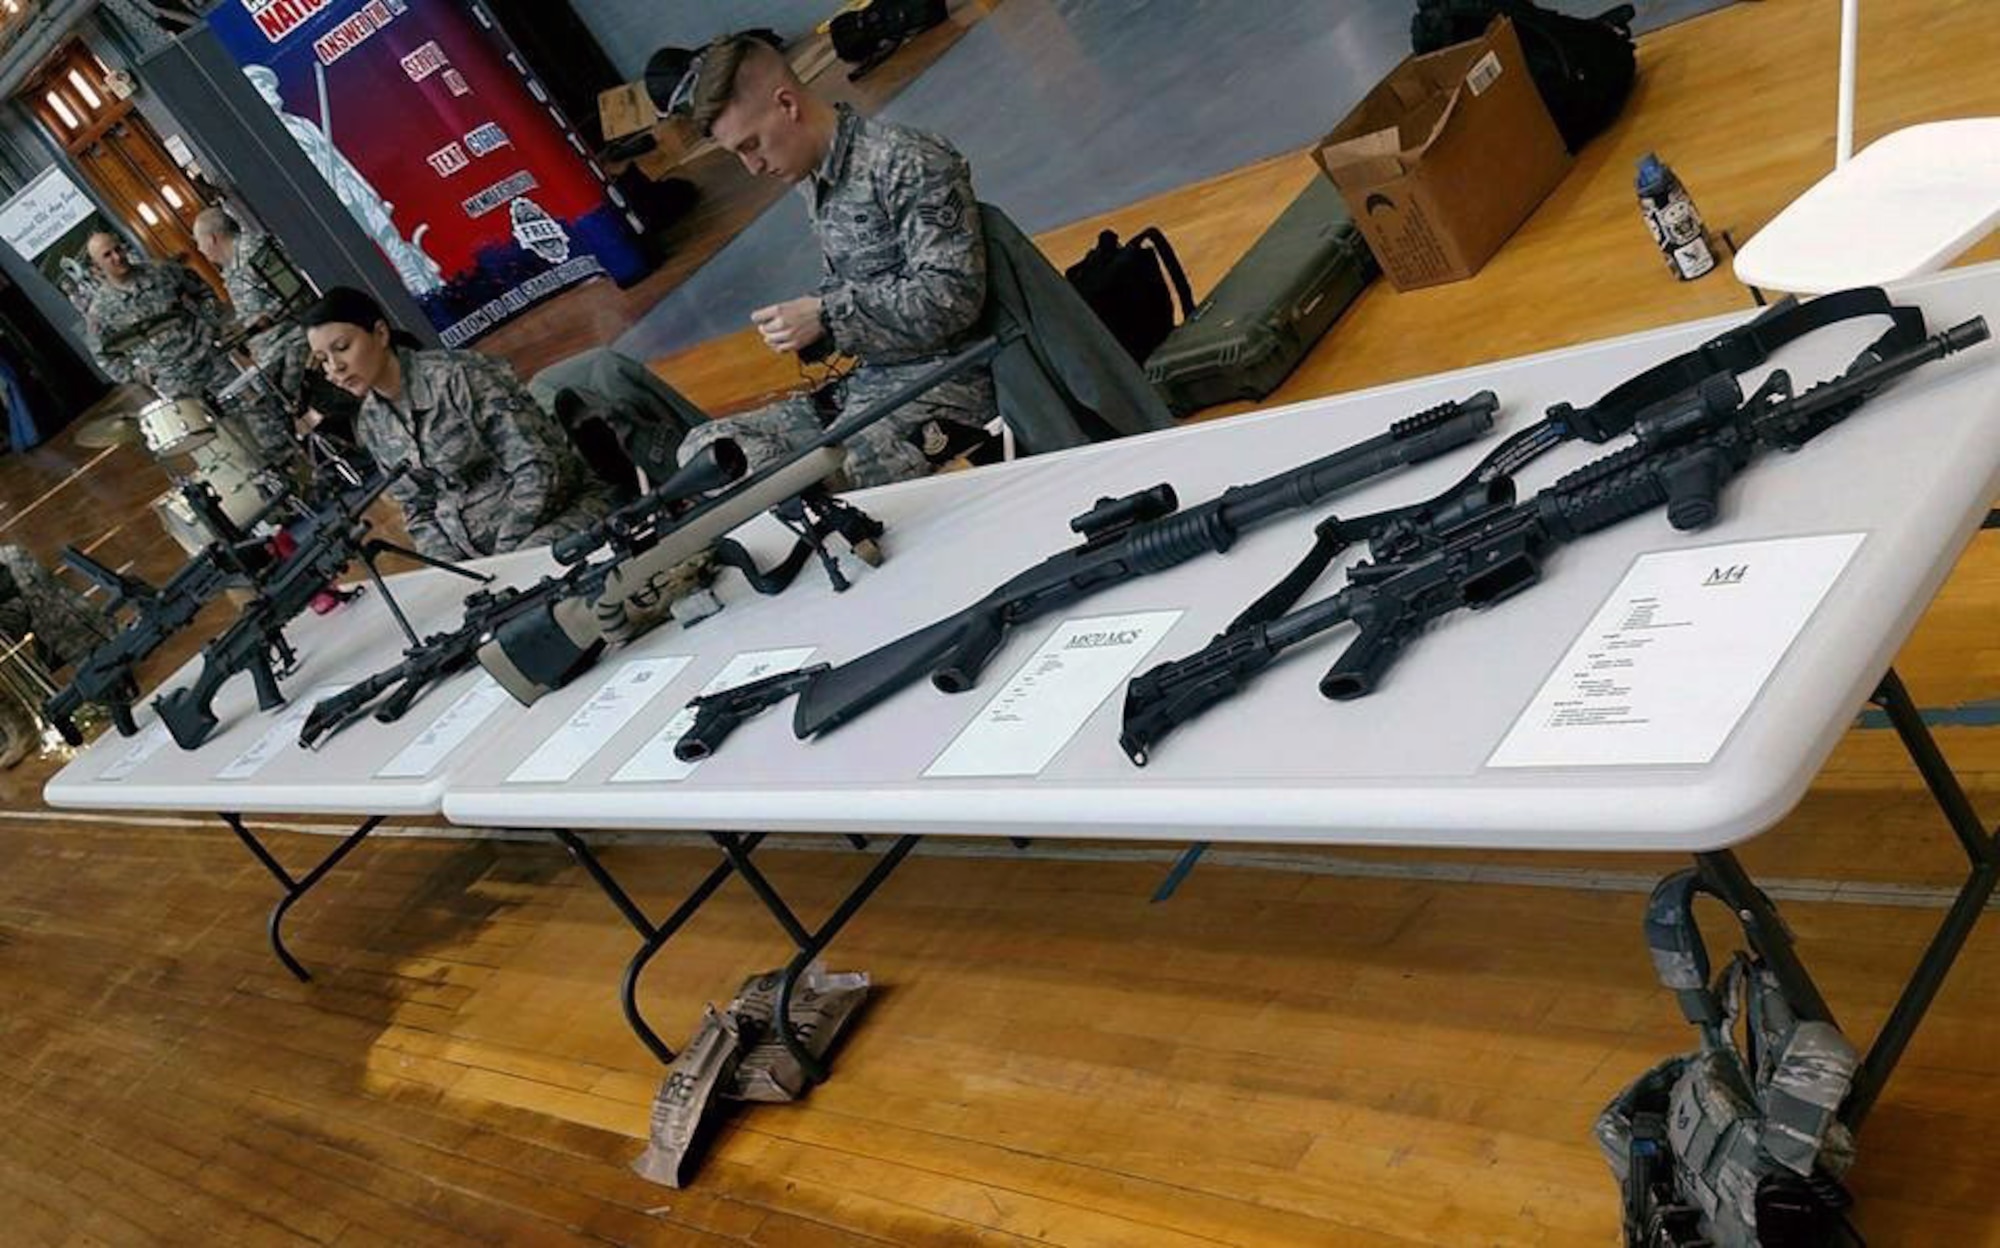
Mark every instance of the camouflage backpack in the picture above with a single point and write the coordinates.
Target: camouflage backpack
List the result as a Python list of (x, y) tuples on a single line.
[(1737, 1144)]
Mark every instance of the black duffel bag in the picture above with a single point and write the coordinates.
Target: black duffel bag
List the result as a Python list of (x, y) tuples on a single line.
[(877, 28), (1126, 285), (1583, 66)]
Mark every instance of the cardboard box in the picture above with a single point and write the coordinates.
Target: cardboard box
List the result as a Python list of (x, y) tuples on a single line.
[(1445, 158), (626, 110), (629, 110)]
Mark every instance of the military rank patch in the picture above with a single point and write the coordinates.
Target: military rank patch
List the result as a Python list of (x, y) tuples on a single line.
[(949, 214)]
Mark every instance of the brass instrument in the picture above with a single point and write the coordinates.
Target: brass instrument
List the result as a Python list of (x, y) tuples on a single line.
[(26, 680)]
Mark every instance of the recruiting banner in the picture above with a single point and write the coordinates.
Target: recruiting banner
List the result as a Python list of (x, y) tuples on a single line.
[(441, 147)]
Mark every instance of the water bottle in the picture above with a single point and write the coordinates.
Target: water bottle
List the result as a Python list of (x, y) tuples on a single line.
[(1672, 220)]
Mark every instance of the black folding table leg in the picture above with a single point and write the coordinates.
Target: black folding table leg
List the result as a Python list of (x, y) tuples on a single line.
[(1768, 934), (1182, 868), (1725, 875), (1982, 851), (294, 888), (652, 937), (809, 944)]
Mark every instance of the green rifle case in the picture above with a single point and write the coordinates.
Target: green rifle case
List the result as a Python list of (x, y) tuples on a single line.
[(1261, 319)]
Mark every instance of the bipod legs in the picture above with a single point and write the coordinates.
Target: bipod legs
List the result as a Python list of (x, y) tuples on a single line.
[(374, 551)]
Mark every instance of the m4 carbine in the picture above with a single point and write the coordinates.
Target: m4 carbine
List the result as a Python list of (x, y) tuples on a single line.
[(1681, 455), (326, 540), (107, 675), (614, 600)]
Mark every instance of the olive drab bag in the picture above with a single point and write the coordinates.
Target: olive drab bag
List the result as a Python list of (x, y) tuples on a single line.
[(1737, 1144)]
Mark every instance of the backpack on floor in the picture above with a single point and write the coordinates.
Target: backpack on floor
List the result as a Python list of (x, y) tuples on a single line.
[(1126, 285), (1738, 1144), (864, 35), (1583, 66)]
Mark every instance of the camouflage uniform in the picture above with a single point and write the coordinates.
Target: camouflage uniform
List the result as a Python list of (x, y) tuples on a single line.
[(64, 628), (18, 729), (1735, 1114), (490, 471), (280, 352), (177, 356), (904, 283), (63, 621)]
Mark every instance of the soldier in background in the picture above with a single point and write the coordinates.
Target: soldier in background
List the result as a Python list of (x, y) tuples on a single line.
[(904, 279), (44, 626), (490, 471), (157, 325), (264, 288)]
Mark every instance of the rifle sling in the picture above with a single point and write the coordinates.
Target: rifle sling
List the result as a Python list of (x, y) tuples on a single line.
[(1734, 352)]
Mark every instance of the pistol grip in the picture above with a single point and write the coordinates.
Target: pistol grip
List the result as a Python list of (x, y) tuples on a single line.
[(269, 697), (1364, 663)]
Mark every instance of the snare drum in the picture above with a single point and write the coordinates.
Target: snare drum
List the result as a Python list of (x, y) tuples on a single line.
[(175, 426)]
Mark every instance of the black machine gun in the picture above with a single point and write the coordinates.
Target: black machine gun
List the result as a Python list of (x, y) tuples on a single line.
[(1123, 538), (673, 539), (1682, 453), (106, 677), (323, 542)]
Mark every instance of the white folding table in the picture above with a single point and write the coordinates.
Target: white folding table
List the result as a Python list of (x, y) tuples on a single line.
[(253, 764), (1911, 474)]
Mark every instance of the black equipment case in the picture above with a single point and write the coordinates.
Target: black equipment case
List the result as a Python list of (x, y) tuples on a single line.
[(1261, 319)]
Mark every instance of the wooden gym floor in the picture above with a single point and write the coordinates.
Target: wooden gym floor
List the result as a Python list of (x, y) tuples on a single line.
[(1346, 1048)]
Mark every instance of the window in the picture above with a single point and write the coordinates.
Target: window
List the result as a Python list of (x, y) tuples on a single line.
[(61, 107), (91, 100)]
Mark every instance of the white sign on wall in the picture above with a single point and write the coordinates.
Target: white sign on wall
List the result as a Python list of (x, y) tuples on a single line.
[(42, 212)]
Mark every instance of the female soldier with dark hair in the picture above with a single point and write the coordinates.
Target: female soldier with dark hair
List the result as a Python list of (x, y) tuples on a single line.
[(490, 471)]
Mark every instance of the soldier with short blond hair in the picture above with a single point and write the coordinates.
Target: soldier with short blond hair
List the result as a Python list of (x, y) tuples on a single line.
[(903, 282)]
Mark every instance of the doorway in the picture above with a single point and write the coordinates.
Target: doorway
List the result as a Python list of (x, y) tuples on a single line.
[(120, 154)]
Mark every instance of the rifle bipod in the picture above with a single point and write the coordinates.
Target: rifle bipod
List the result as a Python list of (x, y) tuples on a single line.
[(812, 517)]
